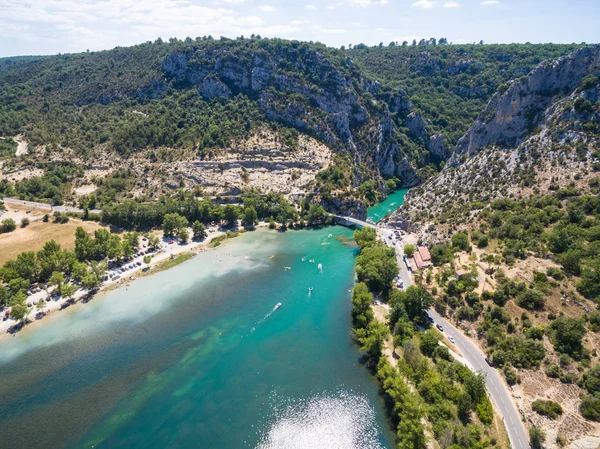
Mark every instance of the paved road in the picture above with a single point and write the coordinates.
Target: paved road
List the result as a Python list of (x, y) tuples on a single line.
[(46, 206), (498, 390), (473, 356), (399, 247)]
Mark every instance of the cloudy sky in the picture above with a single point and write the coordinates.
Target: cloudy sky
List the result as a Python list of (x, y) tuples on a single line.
[(61, 26)]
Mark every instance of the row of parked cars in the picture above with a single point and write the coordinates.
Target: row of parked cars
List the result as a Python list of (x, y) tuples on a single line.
[(123, 269)]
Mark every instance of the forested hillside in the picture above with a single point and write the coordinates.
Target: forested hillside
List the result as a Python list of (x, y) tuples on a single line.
[(233, 115), (206, 96), (450, 85)]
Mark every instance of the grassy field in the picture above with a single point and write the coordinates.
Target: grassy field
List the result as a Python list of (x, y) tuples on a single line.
[(33, 237), (170, 263)]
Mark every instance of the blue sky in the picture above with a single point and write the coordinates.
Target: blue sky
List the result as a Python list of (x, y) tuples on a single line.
[(61, 26)]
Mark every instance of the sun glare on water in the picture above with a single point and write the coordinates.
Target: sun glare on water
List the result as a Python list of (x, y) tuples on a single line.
[(341, 420)]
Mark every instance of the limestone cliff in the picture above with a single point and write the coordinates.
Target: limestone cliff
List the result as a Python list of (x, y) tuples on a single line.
[(512, 114), (539, 135), (331, 100)]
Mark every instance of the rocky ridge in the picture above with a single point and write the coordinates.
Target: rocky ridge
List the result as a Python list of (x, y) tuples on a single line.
[(505, 154), (336, 104)]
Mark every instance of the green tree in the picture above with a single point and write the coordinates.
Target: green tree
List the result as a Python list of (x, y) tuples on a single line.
[(531, 300), (18, 307), (172, 223), (589, 286), (568, 336), (57, 279), (390, 185), (153, 241), (67, 290), (536, 437), (377, 267), (460, 241), (409, 250), (90, 281), (429, 343), (7, 225), (361, 305), (372, 338), (24, 222), (198, 230), (183, 235), (416, 300), (230, 214), (365, 237), (250, 217)]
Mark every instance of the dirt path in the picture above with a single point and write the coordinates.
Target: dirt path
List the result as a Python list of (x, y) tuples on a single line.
[(22, 146)]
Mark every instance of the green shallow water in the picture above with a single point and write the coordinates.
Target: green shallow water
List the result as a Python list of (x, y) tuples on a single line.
[(196, 357), (387, 206)]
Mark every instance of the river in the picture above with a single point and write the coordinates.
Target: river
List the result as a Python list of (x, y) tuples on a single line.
[(393, 201), (197, 357)]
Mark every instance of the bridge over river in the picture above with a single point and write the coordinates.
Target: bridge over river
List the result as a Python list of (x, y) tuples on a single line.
[(351, 221)]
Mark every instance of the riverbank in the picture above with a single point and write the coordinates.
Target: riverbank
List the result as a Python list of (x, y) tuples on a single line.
[(198, 353), (168, 256)]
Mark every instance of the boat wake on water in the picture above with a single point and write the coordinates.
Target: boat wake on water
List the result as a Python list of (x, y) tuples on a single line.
[(263, 319)]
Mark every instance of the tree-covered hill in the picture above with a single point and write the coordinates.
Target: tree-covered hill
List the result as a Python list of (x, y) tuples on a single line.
[(207, 94), (450, 85), (202, 96)]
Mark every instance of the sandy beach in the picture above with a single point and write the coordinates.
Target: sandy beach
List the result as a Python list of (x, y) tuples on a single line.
[(164, 253)]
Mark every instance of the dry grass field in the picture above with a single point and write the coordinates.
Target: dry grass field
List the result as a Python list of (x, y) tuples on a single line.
[(33, 237)]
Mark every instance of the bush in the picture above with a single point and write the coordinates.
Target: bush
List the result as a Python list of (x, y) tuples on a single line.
[(531, 300), (550, 409), (460, 241), (555, 273), (485, 412), (536, 437), (7, 225), (511, 375), (590, 407), (24, 222)]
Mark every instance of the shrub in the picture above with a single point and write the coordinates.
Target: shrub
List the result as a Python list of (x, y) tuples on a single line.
[(550, 409), (531, 300), (511, 375), (24, 222), (7, 225), (590, 407)]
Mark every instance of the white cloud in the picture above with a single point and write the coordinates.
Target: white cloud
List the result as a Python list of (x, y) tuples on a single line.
[(267, 8), (451, 4), (310, 7), (426, 4), (327, 30), (489, 2), (366, 3)]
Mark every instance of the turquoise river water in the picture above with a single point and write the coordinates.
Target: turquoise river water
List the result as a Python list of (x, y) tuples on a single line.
[(387, 206), (197, 357)]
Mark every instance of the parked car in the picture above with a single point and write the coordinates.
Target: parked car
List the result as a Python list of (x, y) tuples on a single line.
[(440, 328), (430, 319), (451, 339), (489, 362)]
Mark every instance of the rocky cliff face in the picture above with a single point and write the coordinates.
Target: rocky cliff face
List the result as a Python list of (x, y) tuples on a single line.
[(513, 114), (502, 157), (332, 102)]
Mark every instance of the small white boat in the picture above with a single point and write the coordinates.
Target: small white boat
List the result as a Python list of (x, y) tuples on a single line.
[(329, 236), (310, 289), (303, 259), (320, 267), (277, 306)]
